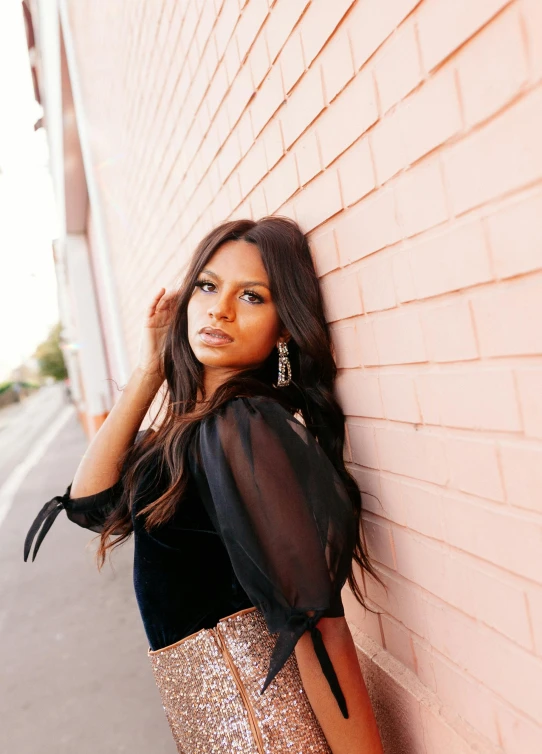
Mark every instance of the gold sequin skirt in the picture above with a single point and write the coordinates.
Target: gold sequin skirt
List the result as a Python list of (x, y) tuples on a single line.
[(210, 685)]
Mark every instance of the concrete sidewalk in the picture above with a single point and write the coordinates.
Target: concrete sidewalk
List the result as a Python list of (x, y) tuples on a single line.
[(75, 674)]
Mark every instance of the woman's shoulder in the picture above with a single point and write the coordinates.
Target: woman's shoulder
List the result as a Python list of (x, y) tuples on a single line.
[(259, 406)]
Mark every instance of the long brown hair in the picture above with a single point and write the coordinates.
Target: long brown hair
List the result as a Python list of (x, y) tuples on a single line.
[(296, 292)]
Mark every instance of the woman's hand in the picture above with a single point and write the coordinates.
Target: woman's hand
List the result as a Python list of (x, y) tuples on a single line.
[(155, 327)]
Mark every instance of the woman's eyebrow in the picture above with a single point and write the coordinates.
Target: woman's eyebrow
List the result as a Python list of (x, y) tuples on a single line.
[(240, 283)]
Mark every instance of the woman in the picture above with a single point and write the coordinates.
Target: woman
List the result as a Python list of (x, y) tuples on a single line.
[(237, 505)]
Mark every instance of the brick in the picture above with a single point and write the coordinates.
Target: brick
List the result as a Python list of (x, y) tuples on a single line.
[(346, 345), (388, 147), (189, 27), (240, 94), (401, 601), (522, 471), (442, 27), (324, 250), (337, 65), (353, 111), (529, 382), (234, 189), (507, 318), (253, 168), (515, 236), (258, 204), (359, 393), (376, 284), (231, 59), (364, 620), (222, 123), (534, 602), (484, 399), (303, 106), (431, 116), (519, 735), (258, 60), (399, 338), (450, 260), (399, 397), (465, 695), (205, 25), (402, 277), (371, 22), (492, 68), (474, 176), (532, 22), (397, 68), (474, 467), (308, 157), (217, 90), (422, 510), (347, 453), (379, 542), (220, 208), (245, 135), (493, 597), (267, 101), (369, 354), (318, 201), (449, 332), (369, 227), (419, 194), (249, 24), (386, 500), (229, 156), (356, 173), (274, 147), (319, 24), (412, 453), (341, 296), (282, 183), (284, 17), (476, 647), (398, 642), (368, 481), (424, 663), (420, 560), (292, 63), (362, 442)]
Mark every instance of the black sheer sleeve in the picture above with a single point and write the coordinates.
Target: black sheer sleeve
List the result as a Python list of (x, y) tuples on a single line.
[(284, 516), (90, 512)]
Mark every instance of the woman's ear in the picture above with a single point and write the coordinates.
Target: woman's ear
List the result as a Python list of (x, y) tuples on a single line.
[(285, 335)]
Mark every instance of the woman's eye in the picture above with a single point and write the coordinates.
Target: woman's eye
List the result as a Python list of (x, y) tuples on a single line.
[(252, 294), (201, 283), (259, 299)]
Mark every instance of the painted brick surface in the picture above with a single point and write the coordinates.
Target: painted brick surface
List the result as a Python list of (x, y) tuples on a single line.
[(405, 137)]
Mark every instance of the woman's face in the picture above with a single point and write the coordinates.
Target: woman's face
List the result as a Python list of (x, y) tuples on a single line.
[(232, 294)]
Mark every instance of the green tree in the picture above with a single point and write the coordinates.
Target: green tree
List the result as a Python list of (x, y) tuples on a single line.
[(49, 355)]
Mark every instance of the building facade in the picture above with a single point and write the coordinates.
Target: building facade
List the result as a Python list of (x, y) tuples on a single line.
[(404, 137)]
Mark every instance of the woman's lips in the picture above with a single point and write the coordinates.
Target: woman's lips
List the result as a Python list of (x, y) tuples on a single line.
[(214, 340)]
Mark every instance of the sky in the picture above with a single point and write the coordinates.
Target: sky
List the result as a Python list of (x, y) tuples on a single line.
[(28, 220)]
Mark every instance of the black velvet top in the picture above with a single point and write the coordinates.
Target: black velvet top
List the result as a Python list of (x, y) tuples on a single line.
[(265, 521)]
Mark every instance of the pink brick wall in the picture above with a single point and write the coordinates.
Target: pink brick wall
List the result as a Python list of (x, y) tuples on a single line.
[(405, 135)]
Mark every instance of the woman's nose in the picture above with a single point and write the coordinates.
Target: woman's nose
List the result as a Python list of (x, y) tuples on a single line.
[(221, 308)]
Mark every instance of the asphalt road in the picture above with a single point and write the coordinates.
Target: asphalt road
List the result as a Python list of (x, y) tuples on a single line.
[(75, 676)]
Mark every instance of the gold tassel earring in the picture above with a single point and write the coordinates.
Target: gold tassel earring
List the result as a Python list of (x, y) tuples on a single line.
[(284, 366)]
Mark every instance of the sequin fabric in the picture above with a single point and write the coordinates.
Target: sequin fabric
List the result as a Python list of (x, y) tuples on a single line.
[(283, 712), (210, 687)]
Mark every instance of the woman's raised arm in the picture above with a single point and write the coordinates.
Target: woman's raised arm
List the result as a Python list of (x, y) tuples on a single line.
[(98, 467)]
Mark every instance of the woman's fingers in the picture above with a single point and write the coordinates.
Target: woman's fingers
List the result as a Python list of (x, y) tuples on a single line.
[(154, 302)]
